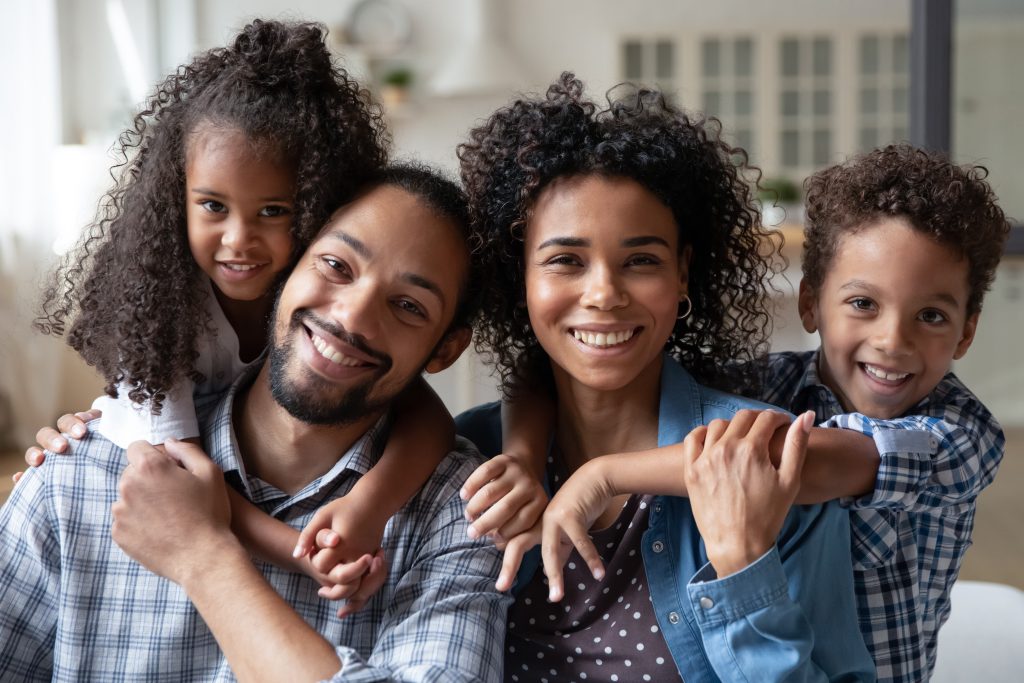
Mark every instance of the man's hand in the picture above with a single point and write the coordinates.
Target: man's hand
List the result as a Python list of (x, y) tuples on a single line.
[(173, 510)]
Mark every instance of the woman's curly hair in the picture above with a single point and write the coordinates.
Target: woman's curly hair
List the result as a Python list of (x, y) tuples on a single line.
[(130, 296), (952, 204), (679, 158)]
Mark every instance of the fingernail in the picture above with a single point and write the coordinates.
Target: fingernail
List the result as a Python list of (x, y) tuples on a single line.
[(599, 574), (57, 443), (297, 552), (808, 421), (472, 532), (78, 431), (462, 494)]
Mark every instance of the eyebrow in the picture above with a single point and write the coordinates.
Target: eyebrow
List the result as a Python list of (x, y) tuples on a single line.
[(630, 242), (365, 252), (213, 193), (944, 297)]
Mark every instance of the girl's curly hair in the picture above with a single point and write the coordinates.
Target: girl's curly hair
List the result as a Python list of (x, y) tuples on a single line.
[(679, 158), (953, 205), (130, 296)]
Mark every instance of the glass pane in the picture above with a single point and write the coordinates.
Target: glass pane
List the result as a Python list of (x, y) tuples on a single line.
[(822, 102), (745, 139), (790, 103), (633, 60), (900, 55), (900, 134), (663, 52), (790, 57), (822, 147), (822, 51), (899, 100), (868, 101), (868, 138), (869, 55), (712, 57), (713, 102), (744, 103), (743, 57), (790, 148)]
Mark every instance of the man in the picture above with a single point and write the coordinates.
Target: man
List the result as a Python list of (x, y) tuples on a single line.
[(386, 284)]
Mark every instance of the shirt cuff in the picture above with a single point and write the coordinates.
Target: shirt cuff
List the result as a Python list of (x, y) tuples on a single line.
[(717, 601), (906, 459)]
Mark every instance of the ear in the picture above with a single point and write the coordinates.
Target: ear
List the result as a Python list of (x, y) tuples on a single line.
[(684, 270), (807, 304), (970, 327), (449, 350)]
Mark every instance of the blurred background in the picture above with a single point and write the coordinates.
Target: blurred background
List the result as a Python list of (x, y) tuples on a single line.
[(799, 84)]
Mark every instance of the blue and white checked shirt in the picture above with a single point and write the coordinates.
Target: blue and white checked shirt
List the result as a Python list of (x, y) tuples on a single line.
[(909, 535), (76, 608)]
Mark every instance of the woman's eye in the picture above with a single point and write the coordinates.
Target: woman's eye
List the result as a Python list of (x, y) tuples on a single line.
[(562, 260), (643, 260), (274, 211), (932, 316), (213, 206)]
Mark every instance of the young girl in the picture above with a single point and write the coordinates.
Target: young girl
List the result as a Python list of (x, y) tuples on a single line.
[(234, 165)]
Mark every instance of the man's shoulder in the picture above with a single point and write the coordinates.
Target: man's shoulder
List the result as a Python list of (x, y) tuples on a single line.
[(451, 473)]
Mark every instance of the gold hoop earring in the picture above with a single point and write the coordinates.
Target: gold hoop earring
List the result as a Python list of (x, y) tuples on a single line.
[(689, 308)]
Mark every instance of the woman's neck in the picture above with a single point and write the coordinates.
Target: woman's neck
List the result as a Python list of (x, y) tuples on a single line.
[(249, 321), (593, 422)]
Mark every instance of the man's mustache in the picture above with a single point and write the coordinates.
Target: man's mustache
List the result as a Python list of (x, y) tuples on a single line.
[(355, 341)]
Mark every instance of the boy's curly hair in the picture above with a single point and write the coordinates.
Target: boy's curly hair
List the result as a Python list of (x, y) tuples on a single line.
[(679, 158), (952, 204), (129, 296)]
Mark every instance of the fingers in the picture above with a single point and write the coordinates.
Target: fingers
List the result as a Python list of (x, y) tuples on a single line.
[(51, 439), (481, 475), (143, 453), (795, 450), (371, 583), (191, 457), (517, 509), (693, 445), (307, 537), (16, 476), (525, 519), (486, 497), (555, 551), (764, 426), (513, 558), (34, 456), (75, 424)]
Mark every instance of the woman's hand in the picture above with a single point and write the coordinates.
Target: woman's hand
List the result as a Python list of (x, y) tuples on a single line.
[(54, 440), (504, 499), (567, 521), (739, 498)]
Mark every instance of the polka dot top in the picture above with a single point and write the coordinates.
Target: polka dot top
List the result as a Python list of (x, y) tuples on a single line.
[(601, 630)]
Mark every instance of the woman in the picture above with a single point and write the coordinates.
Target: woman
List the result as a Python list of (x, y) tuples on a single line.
[(625, 247)]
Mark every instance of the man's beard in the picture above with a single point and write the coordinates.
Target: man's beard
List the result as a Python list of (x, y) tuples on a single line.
[(315, 403)]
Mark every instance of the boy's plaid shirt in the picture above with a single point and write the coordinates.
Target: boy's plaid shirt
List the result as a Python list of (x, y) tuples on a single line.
[(909, 534)]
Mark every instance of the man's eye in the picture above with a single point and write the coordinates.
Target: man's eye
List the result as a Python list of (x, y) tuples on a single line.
[(213, 206), (334, 266), (410, 307)]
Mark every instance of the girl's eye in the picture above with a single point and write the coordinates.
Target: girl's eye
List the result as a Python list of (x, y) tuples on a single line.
[(274, 211), (862, 304), (410, 307), (932, 316), (213, 206)]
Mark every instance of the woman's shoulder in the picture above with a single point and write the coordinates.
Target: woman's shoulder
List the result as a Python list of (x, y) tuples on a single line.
[(482, 426), (718, 404)]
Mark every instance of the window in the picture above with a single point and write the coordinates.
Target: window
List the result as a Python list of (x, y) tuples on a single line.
[(650, 62), (883, 89), (805, 102), (729, 87)]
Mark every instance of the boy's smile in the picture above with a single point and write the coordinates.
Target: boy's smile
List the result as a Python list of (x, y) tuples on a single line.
[(892, 317)]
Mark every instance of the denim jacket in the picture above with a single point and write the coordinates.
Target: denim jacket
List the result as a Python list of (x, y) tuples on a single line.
[(789, 616)]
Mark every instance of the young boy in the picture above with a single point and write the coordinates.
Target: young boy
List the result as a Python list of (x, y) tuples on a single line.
[(900, 247)]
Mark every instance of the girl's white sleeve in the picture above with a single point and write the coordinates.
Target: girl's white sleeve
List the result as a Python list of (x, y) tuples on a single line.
[(124, 421)]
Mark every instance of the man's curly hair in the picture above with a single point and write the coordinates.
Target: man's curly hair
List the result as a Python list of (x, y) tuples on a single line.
[(130, 296), (683, 161), (954, 205)]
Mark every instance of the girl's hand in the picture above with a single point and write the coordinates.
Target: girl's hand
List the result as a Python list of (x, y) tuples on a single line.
[(739, 498), (54, 440), (355, 582), (504, 500), (567, 522)]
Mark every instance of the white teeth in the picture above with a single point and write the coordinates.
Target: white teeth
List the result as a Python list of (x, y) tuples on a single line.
[(332, 354), (882, 374), (602, 339), (240, 267)]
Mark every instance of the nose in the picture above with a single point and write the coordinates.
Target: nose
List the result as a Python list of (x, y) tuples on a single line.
[(359, 309), (239, 234), (603, 289), (891, 336)]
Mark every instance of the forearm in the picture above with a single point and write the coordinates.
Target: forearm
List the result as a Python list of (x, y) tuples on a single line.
[(527, 423), (261, 636), (839, 463), (657, 471), (267, 538)]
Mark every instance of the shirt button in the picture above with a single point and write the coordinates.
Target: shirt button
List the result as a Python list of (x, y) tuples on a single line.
[(706, 602), (657, 507), (657, 546), (673, 617), (933, 442)]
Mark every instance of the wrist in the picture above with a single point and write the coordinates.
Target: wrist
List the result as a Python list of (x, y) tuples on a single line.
[(210, 554), (734, 558)]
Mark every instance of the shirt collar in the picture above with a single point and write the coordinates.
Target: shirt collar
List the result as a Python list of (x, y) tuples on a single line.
[(221, 444), (679, 410), (811, 393)]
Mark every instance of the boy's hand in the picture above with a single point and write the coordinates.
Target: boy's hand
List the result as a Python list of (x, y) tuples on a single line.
[(739, 497), (54, 440), (504, 499), (567, 521)]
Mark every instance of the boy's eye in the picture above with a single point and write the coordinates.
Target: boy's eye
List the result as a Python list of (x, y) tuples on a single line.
[(274, 211), (213, 206), (932, 316)]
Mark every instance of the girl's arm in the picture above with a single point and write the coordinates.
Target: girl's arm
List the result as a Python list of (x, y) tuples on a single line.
[(351, 527)]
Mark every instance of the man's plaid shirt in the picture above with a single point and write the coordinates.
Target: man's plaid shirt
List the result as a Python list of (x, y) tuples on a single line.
[(909, 534), (76, 608)]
